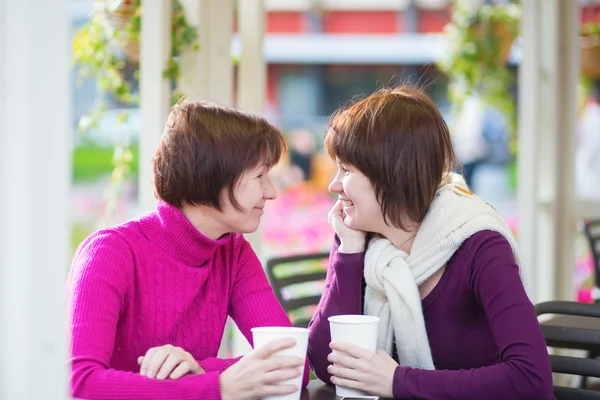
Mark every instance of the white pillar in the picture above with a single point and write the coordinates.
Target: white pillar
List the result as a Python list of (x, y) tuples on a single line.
[(208, 74), (252, 84), (252, 71), (547, 108), (35, 139), (155, 91), (252, 67)]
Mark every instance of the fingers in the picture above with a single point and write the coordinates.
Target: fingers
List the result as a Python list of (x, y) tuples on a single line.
[(146, 361), (344, 360), (344, 373), (154, 359), (350, 349), (349, 383), (273, 347), (182, 369), (171, 362), (156, 362), (282, 362), (277, 376), (336, 211)]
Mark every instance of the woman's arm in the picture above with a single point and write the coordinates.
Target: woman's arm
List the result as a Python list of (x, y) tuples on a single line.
[(342, 295), (217, 364), (99, 281), (253, 302), (524, 370)]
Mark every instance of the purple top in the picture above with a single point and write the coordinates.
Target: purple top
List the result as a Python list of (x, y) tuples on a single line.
[(485, 339)]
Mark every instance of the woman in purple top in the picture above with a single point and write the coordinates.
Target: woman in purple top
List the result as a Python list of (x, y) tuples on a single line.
[(435, 263)]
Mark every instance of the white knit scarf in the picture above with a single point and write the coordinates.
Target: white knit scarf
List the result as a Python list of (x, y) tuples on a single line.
[(393, 276)]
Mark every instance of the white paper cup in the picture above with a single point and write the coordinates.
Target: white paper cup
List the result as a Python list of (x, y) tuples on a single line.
[(263, 335), (359, 330)]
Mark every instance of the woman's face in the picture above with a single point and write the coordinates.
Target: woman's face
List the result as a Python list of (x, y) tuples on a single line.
[(252, 192), (361, 208)]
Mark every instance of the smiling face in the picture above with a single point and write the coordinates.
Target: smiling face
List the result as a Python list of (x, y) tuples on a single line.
[(361, 208), (252, 192)]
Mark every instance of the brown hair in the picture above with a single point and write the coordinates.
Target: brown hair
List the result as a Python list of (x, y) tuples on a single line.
[(205, 148), (400, 141)]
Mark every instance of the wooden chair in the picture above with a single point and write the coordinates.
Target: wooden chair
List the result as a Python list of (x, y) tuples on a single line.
[(282, 283)]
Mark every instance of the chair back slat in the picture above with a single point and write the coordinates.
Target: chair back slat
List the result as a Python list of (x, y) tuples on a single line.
[(575, 365), (574, 326), (567, 393), (283, 285), (571, 338)]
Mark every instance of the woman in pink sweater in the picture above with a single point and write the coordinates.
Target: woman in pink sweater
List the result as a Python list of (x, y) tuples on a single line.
[(149, 298)]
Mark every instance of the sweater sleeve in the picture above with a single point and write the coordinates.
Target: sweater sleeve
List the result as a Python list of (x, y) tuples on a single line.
[(99, 284), (342, 295), (523, 371), (217, 364), (253, 302)]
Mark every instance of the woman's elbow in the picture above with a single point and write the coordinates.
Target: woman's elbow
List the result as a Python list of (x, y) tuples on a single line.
[(539, 388), (538, 392), (79, 381)]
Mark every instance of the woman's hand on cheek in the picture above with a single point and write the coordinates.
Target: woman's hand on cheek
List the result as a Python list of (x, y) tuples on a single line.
[(352, 241), (356, 368)]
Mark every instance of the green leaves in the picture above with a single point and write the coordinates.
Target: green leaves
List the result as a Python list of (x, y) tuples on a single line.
[(479, 39), (97, 55)]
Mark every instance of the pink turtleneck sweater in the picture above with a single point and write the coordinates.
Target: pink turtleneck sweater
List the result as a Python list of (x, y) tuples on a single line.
[(156, 281)]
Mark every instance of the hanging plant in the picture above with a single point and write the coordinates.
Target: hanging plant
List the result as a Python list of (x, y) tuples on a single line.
[(112, 36), (101, 48), (479, 41), (589, 50)]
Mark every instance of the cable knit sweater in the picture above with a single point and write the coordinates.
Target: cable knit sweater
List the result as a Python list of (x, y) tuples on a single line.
[(156, 281)]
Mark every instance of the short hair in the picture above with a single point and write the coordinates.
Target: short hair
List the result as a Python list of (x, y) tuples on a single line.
[(206, 148), (398, 138)]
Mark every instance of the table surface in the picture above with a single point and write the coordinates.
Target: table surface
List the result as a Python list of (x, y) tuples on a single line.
[(317, 390)]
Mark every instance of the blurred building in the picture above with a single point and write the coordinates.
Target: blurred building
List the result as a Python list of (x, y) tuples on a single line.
[(322, 53)]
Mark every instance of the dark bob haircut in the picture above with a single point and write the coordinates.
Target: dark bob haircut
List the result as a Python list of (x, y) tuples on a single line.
[(205, 149), (398, 138)]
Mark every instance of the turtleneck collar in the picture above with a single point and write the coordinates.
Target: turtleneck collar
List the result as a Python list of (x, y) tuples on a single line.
[(169, 229)]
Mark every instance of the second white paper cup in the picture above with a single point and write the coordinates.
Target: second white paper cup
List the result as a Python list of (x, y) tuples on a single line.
[(359, 330), (263, 335)]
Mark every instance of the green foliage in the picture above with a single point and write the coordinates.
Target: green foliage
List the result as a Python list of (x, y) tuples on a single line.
[(99, 48), (97, 52), (79, 233), (479, 39), (91, 162)]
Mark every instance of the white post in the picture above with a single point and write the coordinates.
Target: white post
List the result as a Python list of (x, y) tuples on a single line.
[(252, 68), (155, 93), (252, 72), (208, 73), (252, 83), (567, 76), (35, 140), (547, 107)]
